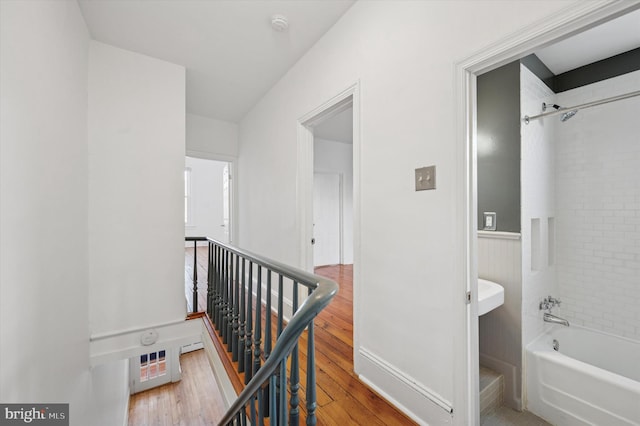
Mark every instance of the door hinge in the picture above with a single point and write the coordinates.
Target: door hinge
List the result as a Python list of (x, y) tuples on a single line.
[(468, 298)]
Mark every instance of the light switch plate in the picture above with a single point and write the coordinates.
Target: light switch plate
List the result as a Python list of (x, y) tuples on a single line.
[(489, 221), (426, 178)]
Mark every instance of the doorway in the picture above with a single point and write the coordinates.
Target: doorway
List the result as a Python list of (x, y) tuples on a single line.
[(559, 27), (328, 205), (208, 199), (333, 190)]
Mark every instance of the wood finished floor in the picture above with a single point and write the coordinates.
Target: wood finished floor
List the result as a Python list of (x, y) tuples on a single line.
[(193, 401), (342, 398)]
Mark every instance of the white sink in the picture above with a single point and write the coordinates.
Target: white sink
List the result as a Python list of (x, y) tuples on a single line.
[(490, 296)]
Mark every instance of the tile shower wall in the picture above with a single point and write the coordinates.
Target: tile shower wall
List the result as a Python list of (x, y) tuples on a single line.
[(598, 208), (538, 204)]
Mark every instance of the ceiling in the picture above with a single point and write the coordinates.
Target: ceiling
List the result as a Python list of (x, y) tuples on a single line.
[(231, 53), (601, 42), (233, 56), (338, 128)]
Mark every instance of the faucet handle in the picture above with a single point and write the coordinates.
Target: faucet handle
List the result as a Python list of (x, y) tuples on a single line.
[(544, 305), (553, 301)]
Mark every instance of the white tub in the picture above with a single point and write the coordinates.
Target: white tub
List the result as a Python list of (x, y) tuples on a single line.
[(593, 378)]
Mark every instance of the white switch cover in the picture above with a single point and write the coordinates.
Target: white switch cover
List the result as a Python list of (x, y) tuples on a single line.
[(489, 221)]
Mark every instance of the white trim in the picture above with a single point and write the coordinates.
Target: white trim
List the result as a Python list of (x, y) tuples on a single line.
[(125, 420), (577, 17), (189, 197), (126, 344), (499, 235), (233, 173), (204, 155), (304, 181), (407, 380), (110, 334), (222, 378), (419, 402)]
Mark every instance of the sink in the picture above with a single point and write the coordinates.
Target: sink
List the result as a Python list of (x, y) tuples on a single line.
[(490, 296)]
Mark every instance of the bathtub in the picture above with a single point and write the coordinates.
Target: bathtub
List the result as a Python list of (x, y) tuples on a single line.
[(592, 379)]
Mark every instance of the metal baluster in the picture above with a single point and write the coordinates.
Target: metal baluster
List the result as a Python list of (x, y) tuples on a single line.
[(243, 308), (230, 305), (221, 291), (282, 395), (225, 295), (294, 401), (261, 405), (210, 280), (194, 307), (280, 304), (236, 313), (267, 339), (273, 405), (217, 281), (311, 377), (279, 326), (252, 410), (258, 331), (249, 328)]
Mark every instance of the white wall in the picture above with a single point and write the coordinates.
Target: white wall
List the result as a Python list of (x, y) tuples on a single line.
[(110, 383), (207, 198), (44, 289), (537, 174), (43, 213), (338, 157), (211, 138), (136, 166), (598, 197), (403, 55), (500, 331)]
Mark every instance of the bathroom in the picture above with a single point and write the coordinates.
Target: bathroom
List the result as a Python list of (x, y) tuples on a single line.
[(559, 216)]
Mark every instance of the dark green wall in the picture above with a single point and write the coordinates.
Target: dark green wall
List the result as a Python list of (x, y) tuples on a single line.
[(499, 146)]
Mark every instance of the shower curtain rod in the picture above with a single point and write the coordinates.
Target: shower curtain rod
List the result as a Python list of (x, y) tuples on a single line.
[(527, 119)]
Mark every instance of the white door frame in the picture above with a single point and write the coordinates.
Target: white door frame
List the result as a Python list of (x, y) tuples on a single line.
[(563, 24), (348, 98), (233, 188)]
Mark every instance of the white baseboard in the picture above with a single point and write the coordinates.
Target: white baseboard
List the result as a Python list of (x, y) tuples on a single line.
[(222, 379), (419, 402), (509, 371), (191, 347)]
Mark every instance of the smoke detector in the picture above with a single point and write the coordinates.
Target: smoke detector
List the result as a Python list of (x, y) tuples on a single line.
[(279, 23)]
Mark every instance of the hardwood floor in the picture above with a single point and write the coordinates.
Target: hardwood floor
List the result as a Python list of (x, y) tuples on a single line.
[(193, 401), (342, 398), (350, 400)]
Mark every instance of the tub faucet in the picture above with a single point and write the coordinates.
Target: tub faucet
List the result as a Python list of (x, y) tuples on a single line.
[(548, 317)]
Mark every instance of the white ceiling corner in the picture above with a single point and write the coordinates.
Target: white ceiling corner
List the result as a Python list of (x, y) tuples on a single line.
[(231, 53)]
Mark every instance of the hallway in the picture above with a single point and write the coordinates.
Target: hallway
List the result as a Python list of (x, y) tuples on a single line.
[(342, 397)]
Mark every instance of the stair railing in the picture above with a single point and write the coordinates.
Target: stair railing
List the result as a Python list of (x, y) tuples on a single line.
[(235, 282)]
